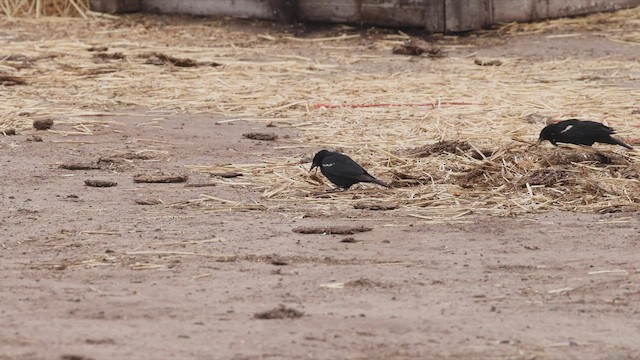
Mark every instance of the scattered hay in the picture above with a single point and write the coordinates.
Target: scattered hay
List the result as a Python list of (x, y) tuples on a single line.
[(38, 8), (157, 58), (632, 171), (401, 179), (538, 119), (100, 183), (546, 177), (281, 312), (569, 156), (332, 230), (492, 113), (445, 146)]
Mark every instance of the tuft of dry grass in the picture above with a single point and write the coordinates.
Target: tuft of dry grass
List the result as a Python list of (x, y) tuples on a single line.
[(41, 8)]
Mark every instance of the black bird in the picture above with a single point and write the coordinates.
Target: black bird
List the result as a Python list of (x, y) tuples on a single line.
[(342, 170), (579, 132)]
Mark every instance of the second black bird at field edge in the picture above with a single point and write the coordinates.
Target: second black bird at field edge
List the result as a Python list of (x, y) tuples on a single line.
[(579, 132), (341, 170)]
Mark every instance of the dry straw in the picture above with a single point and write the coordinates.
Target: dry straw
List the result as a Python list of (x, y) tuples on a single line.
[(485, 165), (40, 8)]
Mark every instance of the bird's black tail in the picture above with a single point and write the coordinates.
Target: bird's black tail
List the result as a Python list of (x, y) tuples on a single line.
[(619, 142), (371, 179)]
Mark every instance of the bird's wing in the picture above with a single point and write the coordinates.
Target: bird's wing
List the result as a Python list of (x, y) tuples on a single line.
[(342, 165)]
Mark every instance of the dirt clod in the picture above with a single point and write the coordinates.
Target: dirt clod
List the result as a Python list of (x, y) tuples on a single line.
[(200, 185), (79, 166), (148, 202), (100, 183), (278, 261), (9, 132), (42, 124), (363, 283), (103, 56), (159, 178), (332, 230), (374, 206), (103, 341), (75, 357), (487, 62), (98, 48), (260, 136), (227, 174), (417, 47), (157, 58), (349, 239), (281, 312), (9, 80)]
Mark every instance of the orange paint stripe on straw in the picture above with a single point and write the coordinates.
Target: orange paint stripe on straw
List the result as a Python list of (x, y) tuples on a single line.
[(433, 105)]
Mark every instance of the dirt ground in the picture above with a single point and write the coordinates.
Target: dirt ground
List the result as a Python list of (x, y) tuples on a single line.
[(150, 271)]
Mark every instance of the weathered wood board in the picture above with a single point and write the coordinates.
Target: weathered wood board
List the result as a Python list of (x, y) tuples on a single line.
[(433, 15), (519, 10)]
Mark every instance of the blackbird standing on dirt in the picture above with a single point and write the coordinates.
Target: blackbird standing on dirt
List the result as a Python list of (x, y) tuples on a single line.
[(342, 170), (579, 132)]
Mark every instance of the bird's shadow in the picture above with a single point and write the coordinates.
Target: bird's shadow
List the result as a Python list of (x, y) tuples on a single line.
[(338, 192)]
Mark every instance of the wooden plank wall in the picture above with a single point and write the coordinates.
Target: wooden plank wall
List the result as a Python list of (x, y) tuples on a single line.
[(261, 9), (114, 6), (433, 15), (530, 10), (389, 12)]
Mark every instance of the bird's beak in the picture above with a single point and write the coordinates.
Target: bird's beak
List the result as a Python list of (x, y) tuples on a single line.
[(536, 143), (313, 166)]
